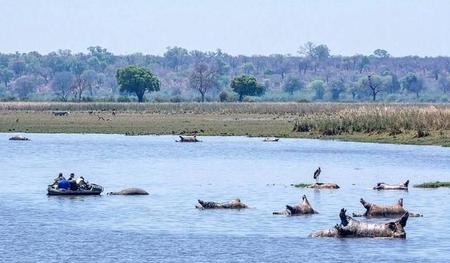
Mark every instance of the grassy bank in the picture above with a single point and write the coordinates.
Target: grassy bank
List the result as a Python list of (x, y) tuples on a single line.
[(393, 123)]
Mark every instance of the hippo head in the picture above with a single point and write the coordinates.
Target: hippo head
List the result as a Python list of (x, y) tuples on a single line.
[(398, 227)]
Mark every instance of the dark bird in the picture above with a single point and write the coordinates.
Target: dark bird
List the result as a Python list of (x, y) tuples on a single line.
[(316, 174)]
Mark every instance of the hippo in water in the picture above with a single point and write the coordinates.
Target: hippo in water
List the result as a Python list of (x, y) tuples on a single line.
[(19, 138), (304, 208), (384, 186), (188, 138), (350, 227), (233, 204), (130, 191), (373, 210), (324, 186)]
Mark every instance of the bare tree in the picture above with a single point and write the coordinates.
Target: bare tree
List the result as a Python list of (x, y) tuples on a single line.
[(62, 84), (202, 79), (375, 85)]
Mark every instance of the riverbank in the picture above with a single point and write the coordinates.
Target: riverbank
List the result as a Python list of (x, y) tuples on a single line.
[(394, 123)]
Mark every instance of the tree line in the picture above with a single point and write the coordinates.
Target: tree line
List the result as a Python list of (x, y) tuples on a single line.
[(312, 74)]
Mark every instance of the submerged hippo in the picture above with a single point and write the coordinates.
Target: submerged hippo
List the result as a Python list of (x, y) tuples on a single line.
[(384, 186), (233, 204), (304, 208), (350, 227), (324, 186), (271, 139), (373, 210), (130, 191), (188, 138), (19, 138)]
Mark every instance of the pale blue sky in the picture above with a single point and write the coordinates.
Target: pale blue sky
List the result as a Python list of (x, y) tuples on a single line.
[(348, 27)]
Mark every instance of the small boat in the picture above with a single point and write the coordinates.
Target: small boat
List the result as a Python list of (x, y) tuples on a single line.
[(271, 139), (19, 138), (94, 189), (188, 139)]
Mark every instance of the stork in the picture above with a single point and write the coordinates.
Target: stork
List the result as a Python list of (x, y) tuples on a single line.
[(316, 175)]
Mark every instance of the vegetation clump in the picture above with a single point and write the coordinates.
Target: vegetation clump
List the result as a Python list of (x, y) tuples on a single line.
[(301, 185), (435, 184)]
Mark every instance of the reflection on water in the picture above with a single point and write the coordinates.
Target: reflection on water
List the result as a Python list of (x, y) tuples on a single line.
[(165, 227)]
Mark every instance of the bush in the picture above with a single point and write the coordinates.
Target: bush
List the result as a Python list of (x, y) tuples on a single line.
[(123, 99), (223, 96)]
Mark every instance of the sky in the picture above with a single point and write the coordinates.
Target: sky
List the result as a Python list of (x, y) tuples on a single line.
[(238, 27)]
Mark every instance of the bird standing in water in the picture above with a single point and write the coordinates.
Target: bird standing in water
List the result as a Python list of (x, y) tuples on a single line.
[(316, 175)]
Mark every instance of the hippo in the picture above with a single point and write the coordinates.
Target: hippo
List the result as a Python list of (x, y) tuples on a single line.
[(304, 208), (324, 186), (351, 228), (188, 138), (130, 191), (233, 204), (19, 138), (373, 210), (384, 186), (271, 139)]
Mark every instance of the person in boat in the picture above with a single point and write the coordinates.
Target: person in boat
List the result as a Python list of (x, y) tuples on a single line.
[(81, 183), (73, 182), (60, 177)]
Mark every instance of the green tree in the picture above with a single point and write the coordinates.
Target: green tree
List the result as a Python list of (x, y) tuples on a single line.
[(26, 85), (412, 83), (6, 75), (292, 85), (318, 86), (336, 88), (137, 80), (381, 53), (246, 86)]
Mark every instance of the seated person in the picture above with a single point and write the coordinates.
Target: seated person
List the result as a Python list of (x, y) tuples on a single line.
[(72, 182), (81, 183), (63, 184), (60, 177)]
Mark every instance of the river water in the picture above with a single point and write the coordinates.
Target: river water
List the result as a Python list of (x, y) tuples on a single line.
[(165, 226)]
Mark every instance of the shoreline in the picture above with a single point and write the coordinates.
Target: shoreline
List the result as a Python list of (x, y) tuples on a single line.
[(246, 119)]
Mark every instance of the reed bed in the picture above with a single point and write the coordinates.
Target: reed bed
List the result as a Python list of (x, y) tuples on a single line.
[(391, 119)]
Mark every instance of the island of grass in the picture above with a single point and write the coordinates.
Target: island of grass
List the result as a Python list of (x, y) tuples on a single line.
[(435, 184)]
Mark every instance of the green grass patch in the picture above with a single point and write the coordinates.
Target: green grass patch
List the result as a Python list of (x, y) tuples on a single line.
[(301, 185), (436, 184)]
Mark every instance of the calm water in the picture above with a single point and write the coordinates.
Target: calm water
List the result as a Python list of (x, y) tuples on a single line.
[(165, 227)]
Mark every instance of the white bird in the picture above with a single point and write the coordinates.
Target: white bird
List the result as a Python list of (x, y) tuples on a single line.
[(316, 174)]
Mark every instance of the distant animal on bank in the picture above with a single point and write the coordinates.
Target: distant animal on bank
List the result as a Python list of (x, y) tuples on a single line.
[(351, 228), (304, 208), (130, 191), (384, 186), (233, 204), (60, 113), (373, 210)]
